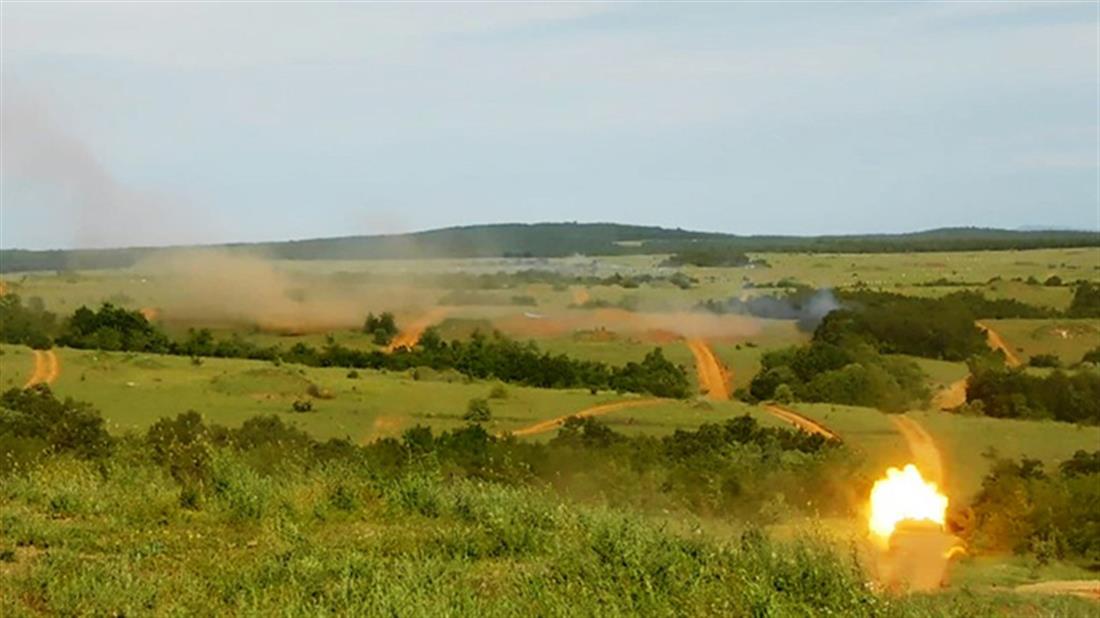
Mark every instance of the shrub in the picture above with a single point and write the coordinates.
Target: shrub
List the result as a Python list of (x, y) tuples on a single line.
[(183, 446), (477, 411), (36, 417), (1045, 360), (302, 405), (498, 392), (382, 328), (784, 394)]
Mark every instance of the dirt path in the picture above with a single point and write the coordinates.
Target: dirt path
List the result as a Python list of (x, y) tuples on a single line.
[(1088, 588), (47, 368), (998, 343), (926, 455), (408, 337), (600, 410), (951, 396), (803, 423), (713, 377)]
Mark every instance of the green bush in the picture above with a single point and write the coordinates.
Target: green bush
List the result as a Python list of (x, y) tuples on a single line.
[(477, 411)]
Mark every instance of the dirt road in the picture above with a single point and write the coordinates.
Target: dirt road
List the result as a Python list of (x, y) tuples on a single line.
[(47, 368), (997, 343), (951, 396), (803, 423), (1087, 588), (408, 337), (600, 410), (923, 448), (713, 377)]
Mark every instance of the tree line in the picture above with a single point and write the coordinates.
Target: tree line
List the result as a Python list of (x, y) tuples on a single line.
[(495, 356)]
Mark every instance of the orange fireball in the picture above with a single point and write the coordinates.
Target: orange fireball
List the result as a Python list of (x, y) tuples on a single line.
[(904, 495)]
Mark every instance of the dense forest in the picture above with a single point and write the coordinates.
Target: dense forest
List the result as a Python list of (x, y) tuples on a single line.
[(544, 240)]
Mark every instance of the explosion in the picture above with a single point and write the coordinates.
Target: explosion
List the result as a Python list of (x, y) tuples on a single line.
[(904, 495)]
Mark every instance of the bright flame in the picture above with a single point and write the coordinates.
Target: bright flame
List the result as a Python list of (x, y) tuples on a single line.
[(904, 495)]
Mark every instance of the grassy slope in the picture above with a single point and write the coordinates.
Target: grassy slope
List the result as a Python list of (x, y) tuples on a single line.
[(134, 390), (962, 440)]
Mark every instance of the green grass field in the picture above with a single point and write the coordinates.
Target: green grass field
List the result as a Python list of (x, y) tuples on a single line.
[(135, 390), (1066, 339), (299, 530)]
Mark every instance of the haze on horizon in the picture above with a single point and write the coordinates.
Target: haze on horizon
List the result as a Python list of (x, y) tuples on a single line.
[(150, 124)]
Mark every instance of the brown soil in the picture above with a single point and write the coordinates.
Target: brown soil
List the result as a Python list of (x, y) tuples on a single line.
[(951, 396), (998, 343), (803, 423), (600, 410), (47, 368), (713, 377), (923, 448), (381, 427), (1087, 588)]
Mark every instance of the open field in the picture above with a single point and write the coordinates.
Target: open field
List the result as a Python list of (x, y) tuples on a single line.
[(135, 390), (1064, 338), (618, 325)]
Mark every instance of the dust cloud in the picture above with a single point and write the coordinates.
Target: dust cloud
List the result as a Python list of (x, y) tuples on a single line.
[(222, 288), (48, 168)]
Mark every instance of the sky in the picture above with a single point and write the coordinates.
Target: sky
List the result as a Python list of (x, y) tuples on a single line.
[(152, 124)]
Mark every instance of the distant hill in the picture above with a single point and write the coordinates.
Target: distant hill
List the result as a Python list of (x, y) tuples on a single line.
[(562, 239)]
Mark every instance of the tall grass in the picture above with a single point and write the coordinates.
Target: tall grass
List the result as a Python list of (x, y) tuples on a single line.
[(113, 538)]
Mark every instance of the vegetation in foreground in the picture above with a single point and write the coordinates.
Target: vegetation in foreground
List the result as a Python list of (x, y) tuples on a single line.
[(195, 518)]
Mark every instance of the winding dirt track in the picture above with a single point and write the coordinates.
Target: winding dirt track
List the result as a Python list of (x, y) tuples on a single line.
[(46, 368), (600, 410), (408, 337), (923, 448), (1087, 588), (803, 423), (998, 343), (713, 377), (951, 396)]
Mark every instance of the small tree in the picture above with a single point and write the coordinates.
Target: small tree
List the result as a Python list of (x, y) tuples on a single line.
[(477, 411), (784, 394)]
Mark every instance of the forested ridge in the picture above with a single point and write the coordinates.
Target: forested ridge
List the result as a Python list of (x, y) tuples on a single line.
[(544, 240)]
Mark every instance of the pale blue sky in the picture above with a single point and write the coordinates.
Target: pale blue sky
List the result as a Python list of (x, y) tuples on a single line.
[(134, 124)]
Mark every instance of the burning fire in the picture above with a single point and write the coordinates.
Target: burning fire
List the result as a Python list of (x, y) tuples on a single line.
[(904, 495)]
